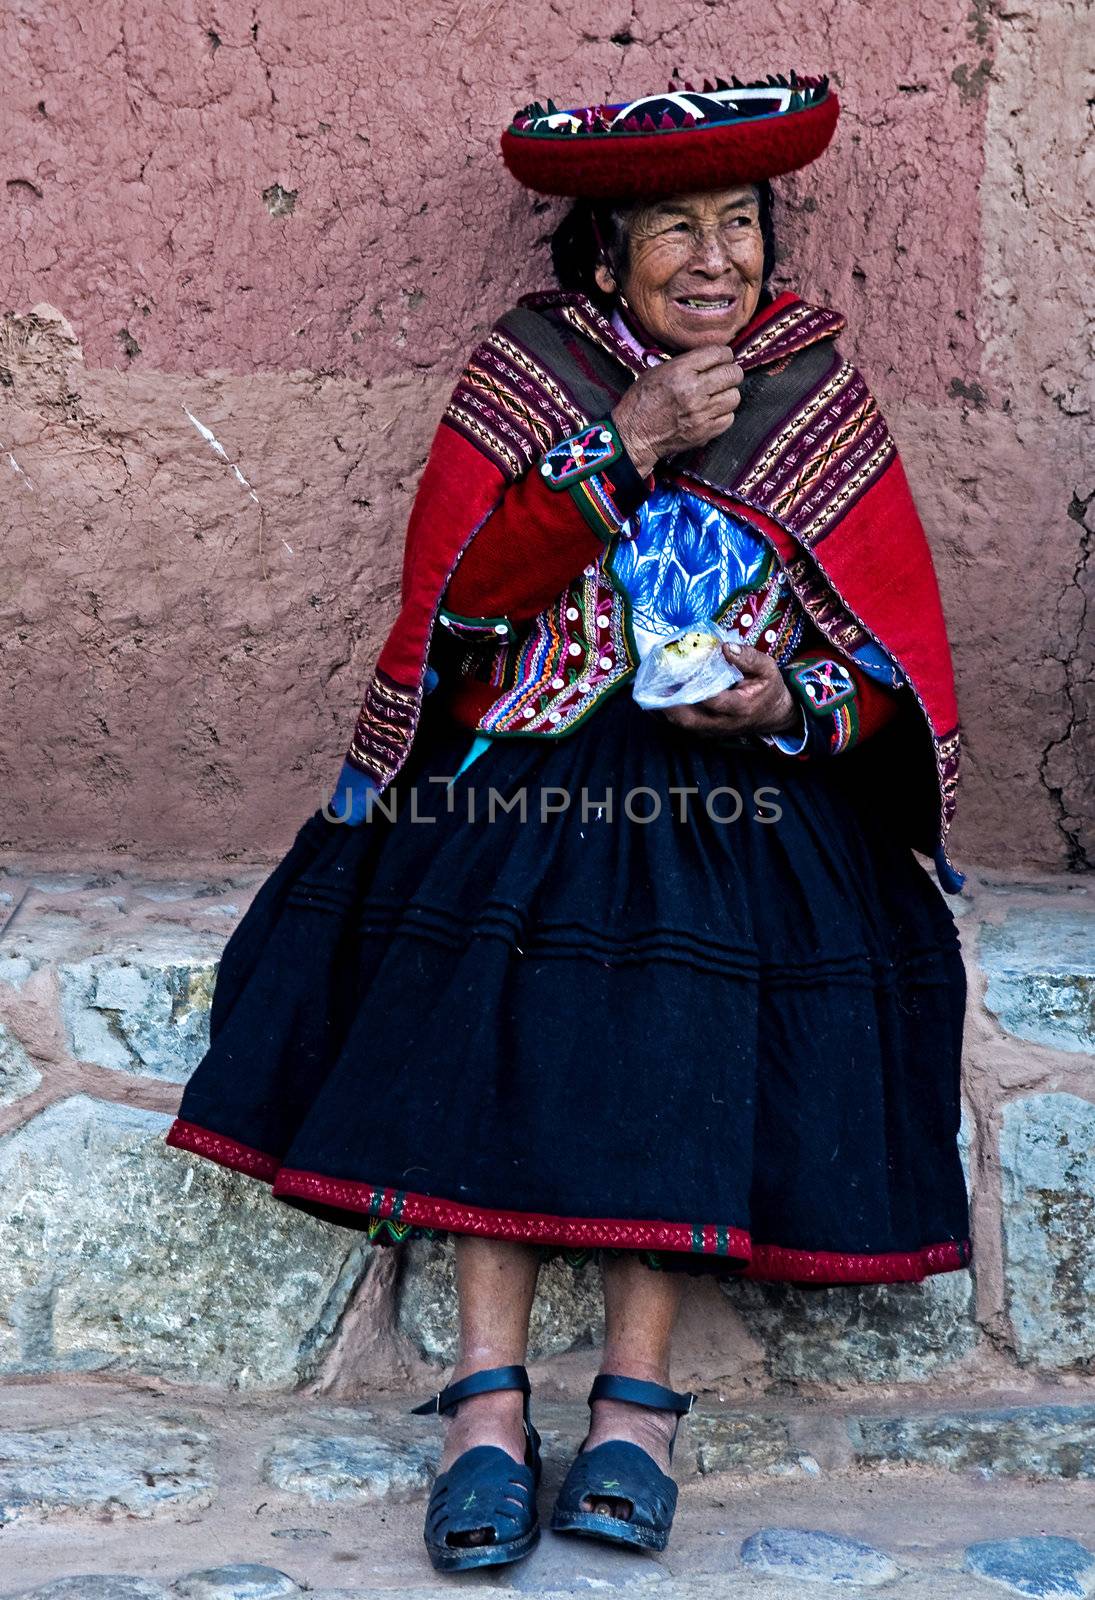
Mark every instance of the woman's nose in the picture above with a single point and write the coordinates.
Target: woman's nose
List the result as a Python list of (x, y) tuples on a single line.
[(712, 252)]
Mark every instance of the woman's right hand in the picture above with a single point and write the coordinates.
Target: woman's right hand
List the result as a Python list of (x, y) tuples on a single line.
[(682, 402)]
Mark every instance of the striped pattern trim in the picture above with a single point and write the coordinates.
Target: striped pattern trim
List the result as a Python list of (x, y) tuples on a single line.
[(845, 727), (398, 1214), (510, 406), (385, 727), (824, 605), (788, 332), (822, 458), (567, 662), (593, 497)]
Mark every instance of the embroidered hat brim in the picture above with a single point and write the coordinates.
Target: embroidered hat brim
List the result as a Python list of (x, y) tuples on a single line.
[(682, 141)]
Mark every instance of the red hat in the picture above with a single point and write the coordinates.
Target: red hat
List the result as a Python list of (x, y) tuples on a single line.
[(679, 142)]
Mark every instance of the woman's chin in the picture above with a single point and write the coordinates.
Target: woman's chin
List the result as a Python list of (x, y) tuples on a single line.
[(712, 333)]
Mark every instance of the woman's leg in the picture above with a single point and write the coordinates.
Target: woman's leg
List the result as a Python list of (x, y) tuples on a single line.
[(495, 1283), (640, 1313)]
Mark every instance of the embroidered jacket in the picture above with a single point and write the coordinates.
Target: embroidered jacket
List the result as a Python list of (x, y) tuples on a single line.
[(809, 463), (526, 672)]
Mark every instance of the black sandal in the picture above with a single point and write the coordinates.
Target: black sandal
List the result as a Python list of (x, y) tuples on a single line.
[(621, 1470), (485, 1487)]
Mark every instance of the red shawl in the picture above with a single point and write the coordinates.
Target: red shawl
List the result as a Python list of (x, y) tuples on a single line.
[(809, 462)]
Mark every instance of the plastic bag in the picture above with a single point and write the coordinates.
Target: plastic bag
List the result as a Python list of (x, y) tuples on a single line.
[(687, 666)]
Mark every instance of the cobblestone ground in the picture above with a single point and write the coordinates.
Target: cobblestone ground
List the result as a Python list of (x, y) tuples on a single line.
[(107, 1494)]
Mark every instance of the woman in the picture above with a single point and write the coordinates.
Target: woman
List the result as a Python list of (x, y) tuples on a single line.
[(579, 978)]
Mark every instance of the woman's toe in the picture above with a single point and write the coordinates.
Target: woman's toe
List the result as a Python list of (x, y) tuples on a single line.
[(471, 1537), (608, 1508)]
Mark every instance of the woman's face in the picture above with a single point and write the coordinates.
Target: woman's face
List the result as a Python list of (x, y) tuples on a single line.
[(695, 266)]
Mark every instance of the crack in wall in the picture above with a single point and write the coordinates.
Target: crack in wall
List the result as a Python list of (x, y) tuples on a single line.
[(1078, 857)]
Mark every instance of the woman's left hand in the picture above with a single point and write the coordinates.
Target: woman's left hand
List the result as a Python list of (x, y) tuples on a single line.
[(760, 703)]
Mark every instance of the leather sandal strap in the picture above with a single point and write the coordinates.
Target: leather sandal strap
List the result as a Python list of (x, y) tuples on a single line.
[(482, 1382), (612, 1386)]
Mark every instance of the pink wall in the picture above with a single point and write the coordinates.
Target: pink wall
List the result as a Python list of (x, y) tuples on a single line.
[(291, 222)]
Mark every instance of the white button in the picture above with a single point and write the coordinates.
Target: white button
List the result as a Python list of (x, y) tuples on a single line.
[(585, 688), (575, 649), (546, 469), (589, 571), (445, 623), (602, 622), (500, 627), (554, 716), (572, 613), (606, 437), (556, 683), (747, 619), (605, 662), (769, 634), (811, 691), (529, 711)]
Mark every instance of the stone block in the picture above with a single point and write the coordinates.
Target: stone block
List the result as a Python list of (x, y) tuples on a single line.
[(106, 1467), (97, 1586), (146, 1014), (18, 1074), (746, 1444), (242, 1580), (1047, 1163), (1030, 1441), (119, 1253), (567, 1313), (1040, 963), (360, 1466), (1035, 1566), (874, 1333), (817, 1558)]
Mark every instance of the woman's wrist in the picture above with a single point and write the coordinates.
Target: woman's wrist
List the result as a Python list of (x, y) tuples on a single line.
[(643, 456), (789, 721)]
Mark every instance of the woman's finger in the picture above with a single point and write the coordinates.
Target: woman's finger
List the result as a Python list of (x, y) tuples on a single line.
[(714, 358), (717, 417)]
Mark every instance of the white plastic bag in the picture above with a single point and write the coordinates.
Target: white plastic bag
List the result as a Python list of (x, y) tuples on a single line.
[(685, 667)]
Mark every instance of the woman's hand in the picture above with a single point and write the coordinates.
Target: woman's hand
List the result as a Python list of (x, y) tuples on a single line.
[(760, 703), (682, 402)]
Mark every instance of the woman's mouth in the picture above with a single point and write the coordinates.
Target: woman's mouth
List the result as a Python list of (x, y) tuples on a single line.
[(707, 305)]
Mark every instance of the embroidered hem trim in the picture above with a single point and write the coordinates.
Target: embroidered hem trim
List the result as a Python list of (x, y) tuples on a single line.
[(404, 1209)]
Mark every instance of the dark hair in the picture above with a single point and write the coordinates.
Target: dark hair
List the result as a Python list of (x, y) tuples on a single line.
[(595, 230)]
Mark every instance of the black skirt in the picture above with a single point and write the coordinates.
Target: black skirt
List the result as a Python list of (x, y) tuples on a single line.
[(623, 990)]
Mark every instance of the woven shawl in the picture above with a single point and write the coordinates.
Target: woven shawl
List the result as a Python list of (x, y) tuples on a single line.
[(809, 461)]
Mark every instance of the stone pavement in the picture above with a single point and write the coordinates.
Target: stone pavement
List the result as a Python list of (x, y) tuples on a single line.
[(108, 1493)]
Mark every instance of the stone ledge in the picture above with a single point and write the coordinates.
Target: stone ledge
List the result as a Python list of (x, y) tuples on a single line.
[(1040, 964), (107, 976), (1019, 1441)]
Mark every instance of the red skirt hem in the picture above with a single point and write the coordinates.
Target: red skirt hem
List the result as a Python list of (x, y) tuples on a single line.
[(774, 1263)]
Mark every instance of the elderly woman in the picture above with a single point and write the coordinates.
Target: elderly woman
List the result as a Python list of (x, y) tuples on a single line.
[(559, 975)]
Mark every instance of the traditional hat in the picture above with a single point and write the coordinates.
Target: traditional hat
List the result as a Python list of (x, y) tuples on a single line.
[(684, 140)]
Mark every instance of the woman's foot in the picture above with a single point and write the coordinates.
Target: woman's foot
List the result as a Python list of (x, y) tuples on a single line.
[(495, 1418), (651, 1430)]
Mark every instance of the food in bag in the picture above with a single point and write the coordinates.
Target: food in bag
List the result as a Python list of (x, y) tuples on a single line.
[(687, 667)]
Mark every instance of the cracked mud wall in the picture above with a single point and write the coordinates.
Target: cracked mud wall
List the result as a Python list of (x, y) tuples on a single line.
[(245, 251)]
